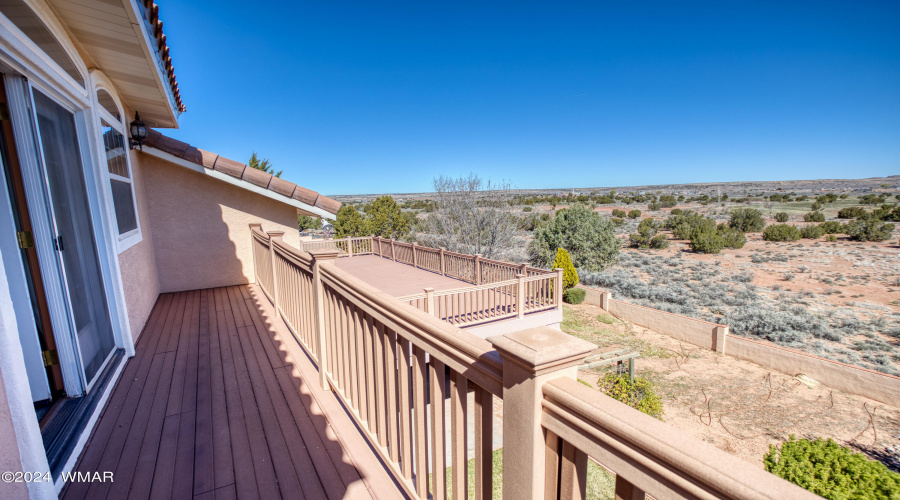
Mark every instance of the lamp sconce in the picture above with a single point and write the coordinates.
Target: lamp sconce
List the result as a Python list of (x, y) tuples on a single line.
[(138, 133)]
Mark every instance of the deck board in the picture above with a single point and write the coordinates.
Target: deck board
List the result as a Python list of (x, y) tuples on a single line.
[(219, 402), (395, 278)]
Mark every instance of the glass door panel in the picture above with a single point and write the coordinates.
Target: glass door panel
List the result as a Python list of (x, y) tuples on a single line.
[(75, 235)]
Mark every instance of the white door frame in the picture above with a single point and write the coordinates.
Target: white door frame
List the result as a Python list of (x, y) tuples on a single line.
[(19, 54)]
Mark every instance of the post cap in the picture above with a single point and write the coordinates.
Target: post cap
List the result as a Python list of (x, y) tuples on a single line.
[(275, 234), (324, 253), (542, 350)]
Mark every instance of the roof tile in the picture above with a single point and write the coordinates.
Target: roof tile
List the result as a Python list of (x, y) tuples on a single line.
[(328, 205), (282, 187), (230, 167), (305, 195), (239, 170), (258, 177)]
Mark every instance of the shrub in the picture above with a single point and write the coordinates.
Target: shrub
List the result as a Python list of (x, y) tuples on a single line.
[(732, 238), (814, 217), (811, 232), (869, 230), (305, 222), (707, 242), (527, 209), (385, 218), (685, 224), (831, 238), (619, 213), (667, 201), (781, 217), (747, 220), (634, 214), (617, 221), (574, 295), (781, 232), (676, 211), (832, 227), (654, 206), (851, 213), (590, 239), (816, 206), (640, 395), (659, 242), (564, 262), (646, 231), (831, 471)]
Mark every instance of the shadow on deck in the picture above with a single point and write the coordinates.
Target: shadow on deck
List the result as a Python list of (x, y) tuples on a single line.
[(219, 401)]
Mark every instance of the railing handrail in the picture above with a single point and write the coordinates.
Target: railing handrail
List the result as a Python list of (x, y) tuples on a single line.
[(650, 454), (473, 288), (469, 355)]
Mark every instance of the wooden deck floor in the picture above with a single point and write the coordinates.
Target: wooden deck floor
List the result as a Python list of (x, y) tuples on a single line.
[(395, 278), (220, 402)]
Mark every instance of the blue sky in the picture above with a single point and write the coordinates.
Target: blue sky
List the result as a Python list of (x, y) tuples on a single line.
[(376, 97)]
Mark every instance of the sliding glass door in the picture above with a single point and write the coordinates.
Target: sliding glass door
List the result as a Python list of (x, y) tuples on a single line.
[(74, 238)]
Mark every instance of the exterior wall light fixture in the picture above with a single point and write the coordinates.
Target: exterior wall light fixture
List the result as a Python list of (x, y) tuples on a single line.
[(138, 133)]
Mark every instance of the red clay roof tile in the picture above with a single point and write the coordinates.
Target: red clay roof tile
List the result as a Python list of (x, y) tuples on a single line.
[(282, 187), (236, 169), (230, 167), (305, 195), (258, 177)]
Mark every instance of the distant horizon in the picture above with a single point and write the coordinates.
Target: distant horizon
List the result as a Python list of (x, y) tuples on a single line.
[(357, 96), (895, 177)]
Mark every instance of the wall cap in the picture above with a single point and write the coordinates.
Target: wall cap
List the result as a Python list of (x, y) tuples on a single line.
[(541, 350)]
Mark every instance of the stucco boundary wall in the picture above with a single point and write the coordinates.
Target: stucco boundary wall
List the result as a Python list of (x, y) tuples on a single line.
[(853, 379)]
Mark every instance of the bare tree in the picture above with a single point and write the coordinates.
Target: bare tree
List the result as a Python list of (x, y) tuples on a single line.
[(471, 216)]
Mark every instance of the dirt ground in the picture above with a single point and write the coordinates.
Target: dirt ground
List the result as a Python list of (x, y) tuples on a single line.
[(738, 406)]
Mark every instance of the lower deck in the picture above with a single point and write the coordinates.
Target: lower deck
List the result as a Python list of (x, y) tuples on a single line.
[(396, 278), (219, 401)]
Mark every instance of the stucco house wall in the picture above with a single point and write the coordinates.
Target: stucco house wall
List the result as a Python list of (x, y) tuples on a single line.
[(200, 226), (137, 264)]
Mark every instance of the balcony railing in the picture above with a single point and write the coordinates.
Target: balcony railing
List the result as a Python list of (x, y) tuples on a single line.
[(500, 290), (411, 381)]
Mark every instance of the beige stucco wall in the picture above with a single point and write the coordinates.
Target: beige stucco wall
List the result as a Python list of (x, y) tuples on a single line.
[(138, 263), (9, 450), (200, 226)]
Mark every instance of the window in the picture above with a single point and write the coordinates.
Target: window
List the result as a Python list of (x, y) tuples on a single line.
[(121, 184)]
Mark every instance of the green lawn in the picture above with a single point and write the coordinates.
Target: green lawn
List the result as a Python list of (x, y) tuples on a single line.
[(600, 483)]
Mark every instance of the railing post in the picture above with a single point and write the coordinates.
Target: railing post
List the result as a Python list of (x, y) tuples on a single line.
[(443, 272), (559, 287), (273, 237), (429, 301), (349, 246), (477, 268), (605, 297), (520, 297), (320, 258), (524, 269), (376, 239), (393, 256), (254, 225), (531, 358), (415, 260)]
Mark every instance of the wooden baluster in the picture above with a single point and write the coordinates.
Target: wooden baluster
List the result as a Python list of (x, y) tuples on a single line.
[(520, 296), (627, 491), (392, 391), (420, 384), (552, 449), (573, 473), (403, 386), (458, 435), (370, 356), (443, 272), (438, 432), (484, 433)]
